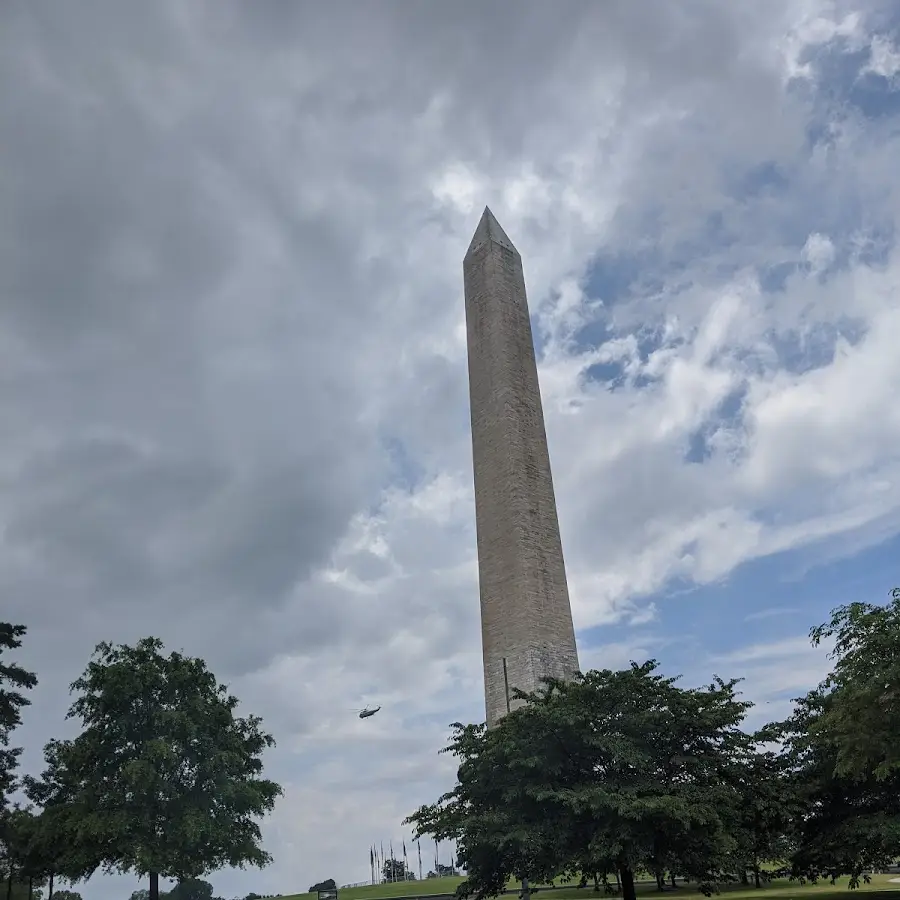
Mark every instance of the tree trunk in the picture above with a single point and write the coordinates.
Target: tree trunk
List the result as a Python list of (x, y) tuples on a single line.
[(627, 882), (756, 875), (596, 882), (154, 886), (672, 879), (618, 882), (744, 879), (9, 882), (50, 894), (526, 891), (30, 887), (660, 882)]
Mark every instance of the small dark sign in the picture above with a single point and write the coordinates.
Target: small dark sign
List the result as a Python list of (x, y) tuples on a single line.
[(330, 894)]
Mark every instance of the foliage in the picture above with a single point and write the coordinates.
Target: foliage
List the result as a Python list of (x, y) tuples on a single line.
[(615, 770), (63, 815), (393, 870), (164, 779), (841, 747), (18, 826), (191, 889), (65, 895), (328, 884), (767, 806), (849, 824), (13, 680), (862, 716)]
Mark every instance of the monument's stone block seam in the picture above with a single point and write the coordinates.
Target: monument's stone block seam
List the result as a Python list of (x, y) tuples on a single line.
[(525, 609)]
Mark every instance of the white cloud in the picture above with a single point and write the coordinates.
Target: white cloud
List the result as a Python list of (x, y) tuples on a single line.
[(774, 612), (885, 58), (775, 673), (818, 252)]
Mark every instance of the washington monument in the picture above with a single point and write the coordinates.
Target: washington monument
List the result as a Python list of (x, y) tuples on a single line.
[(526, 619)]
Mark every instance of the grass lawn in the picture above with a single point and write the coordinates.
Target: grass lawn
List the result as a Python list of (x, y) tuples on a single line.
[(776, 890)]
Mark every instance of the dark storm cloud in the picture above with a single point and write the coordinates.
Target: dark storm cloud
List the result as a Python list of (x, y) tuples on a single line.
[(177, 436)]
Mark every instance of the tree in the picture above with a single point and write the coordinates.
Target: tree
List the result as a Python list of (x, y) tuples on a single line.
[(767, 807), (849, 825), (328, 884), (612, 772), (841, 749), (491, 813), (862, 716), (17, 827), (54, 853), (13, 680), (65, 895), (191, 889), (393, 870), (164, 779)]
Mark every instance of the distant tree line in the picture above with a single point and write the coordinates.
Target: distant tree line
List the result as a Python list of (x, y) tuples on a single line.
[(163, 780), (194, 889), (626, 772)]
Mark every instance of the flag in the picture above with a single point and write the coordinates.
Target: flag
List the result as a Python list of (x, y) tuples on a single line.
[(419, 846), (382, 858), (405, 861), (372, 862), (391, 846)]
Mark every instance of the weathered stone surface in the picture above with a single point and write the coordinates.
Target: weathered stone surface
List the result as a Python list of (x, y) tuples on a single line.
[(526, 617)]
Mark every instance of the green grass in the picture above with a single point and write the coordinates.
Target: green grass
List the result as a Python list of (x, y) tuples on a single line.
[(776, 890), (398, 889)]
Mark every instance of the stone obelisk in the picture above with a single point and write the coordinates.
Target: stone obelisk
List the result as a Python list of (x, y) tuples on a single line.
[(526, 617)]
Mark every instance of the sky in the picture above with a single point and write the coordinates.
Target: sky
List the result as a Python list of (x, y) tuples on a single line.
[(233, 395)]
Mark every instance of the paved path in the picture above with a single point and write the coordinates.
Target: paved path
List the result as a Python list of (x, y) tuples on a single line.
[(895, 881)]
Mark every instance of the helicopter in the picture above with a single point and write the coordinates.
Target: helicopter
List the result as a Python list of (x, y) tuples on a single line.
[(367, 713)]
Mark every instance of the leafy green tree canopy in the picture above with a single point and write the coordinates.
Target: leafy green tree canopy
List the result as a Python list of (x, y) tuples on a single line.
[(862, 716), (848, 825), (842, 749), (612, 772), (164, 779), (13, 680), (768, 804), (191, 889)]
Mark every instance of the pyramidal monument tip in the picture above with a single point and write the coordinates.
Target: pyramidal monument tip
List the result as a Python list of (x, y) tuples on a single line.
[(489, 230)]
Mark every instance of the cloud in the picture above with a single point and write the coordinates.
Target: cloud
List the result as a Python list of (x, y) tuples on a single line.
[(232, 345), (772, 613), (776, 673)]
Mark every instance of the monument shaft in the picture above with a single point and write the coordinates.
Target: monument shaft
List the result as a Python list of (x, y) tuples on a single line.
[(526, 617)]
